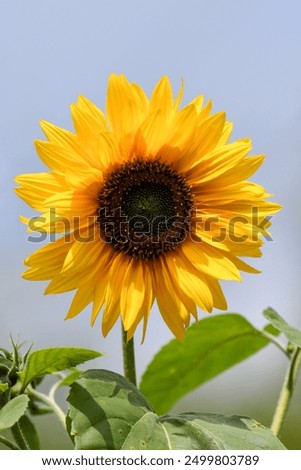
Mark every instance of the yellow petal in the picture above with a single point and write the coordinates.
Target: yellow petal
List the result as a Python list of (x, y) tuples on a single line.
[(56, 157), (99, 295), (153, 130), (110, 316), (88, 119), (41, 273), (180, 95), (37, 187), (64, 283), (219, 300), (242, 171), (207, 136), (82, 298), (82, 254), (218, 161), (187, 302), (57, 135), (73, 204), (197, 102), (162, 99), (107, 152), (169, 305), (191, 281), (125, 105), (118, 268), (132, 293), (210, 260), (52, 254), (146, 306), (225, 135), (183, 127)]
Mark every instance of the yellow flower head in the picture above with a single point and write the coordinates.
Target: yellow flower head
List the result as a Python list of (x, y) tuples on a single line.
[(152, 203)]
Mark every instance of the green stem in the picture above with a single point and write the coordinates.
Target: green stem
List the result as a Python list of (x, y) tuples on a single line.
[(8, 443), (128, 358), (55, 387), (49, 402), (277, 343), (286, 392)]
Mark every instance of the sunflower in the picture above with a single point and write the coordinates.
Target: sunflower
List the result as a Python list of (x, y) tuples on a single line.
[(152, 203)]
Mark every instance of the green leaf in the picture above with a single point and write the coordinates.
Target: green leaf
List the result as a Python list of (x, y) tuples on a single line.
[(269, 328), (5, 364), (3, 387), (47, 361), (12, 411), (5, 352), (195, 431), (25, 434), (107, 412), (292, 334), (212, 346), (211, 431), (70, 378), (147, 434), (103, 407)]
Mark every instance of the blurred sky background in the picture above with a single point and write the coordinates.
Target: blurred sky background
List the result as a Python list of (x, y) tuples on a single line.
[(246, 57)]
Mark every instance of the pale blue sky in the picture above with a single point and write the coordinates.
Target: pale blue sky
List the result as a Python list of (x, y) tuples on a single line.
[(243, 55)]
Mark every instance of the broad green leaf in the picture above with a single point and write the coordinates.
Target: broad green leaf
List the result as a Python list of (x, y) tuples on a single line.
[(211, 431), (107, 412), (292, 334), (47, 361), (103, 407), (147, 433), (212, 346), (25, 434), (196, 431), (12, 411)]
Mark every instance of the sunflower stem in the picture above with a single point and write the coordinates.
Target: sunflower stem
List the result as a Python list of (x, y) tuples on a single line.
[(286, 392), (128, 351)]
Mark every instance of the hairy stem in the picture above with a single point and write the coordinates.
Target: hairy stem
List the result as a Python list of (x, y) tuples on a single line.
[(286, 392), (49, 402), (128, 358)]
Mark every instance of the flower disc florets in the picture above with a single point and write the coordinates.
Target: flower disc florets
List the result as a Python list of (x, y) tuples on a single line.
[(145, 208)]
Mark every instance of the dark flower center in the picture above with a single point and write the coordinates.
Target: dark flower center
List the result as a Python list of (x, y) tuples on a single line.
[(149, 205), (145, 208)]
